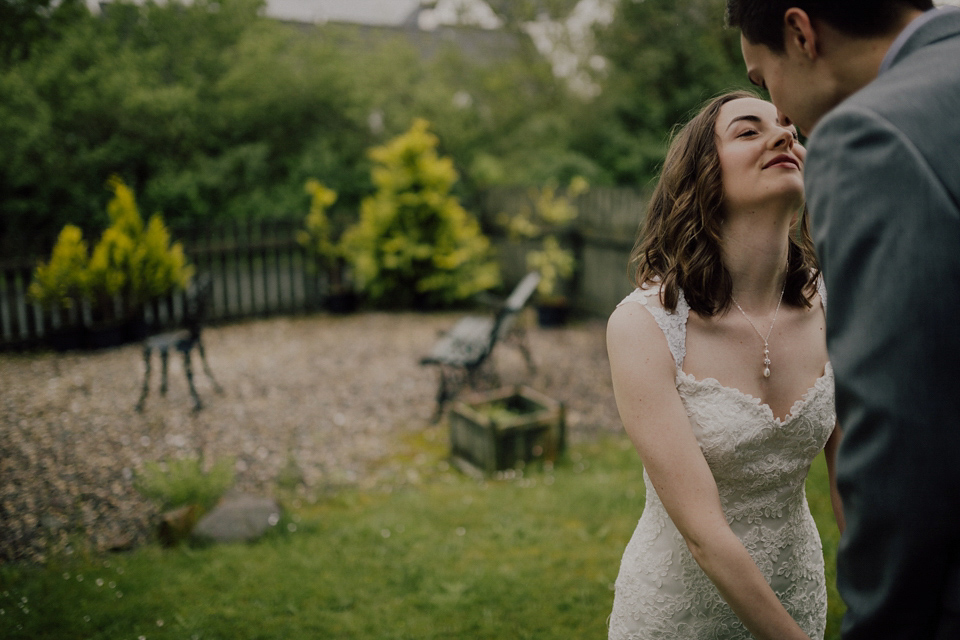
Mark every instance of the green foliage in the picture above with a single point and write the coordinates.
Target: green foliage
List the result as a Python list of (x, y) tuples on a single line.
[(28, 24), (191, 101), (414, 243), (214, 112), (317, 237), (551, 213), (554, 263), (322, 240), (129, 260), (63, 280), (665, 58), (178, 483)]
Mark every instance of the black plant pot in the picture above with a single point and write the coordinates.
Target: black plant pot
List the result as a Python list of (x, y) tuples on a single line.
[(552, 315), (106, 335), (114, 333), (341, 303), (135, 329), (67, 338)]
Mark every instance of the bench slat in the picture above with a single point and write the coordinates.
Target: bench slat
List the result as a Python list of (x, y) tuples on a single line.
[(468, 344), (464, 344)]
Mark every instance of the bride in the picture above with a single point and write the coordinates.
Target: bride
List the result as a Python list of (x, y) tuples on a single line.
[(721, 378)]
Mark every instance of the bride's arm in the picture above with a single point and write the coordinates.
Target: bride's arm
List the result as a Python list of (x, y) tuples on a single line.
[(653, 415), (830, 453)]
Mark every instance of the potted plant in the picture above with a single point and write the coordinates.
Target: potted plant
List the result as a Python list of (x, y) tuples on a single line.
[(552, 212), (506, 428), (328, 254), (131, 264)]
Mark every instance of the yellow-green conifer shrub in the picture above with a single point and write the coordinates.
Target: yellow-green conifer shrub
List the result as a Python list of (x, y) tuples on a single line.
[(158, 266), (414, 243), (137, 262), (130, 260), (63, 280)]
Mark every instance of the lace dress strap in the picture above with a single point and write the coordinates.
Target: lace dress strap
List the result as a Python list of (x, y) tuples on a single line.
[(822, 290), (673, 325)]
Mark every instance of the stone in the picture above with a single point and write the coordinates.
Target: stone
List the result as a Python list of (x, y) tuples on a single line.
[(176, 525), (239, 518)]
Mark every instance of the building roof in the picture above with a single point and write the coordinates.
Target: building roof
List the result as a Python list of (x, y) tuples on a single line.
[(387, 13), (425, 15), (370, 12)]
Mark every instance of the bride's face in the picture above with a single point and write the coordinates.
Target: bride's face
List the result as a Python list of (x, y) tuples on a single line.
[(761, 160)]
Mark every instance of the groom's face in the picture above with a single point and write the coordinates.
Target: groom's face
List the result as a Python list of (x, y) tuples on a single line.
[(795, 84)]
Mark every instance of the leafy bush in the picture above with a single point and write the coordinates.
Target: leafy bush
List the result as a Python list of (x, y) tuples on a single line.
[(550, 214), (134, 262), (63, 280), (321, 240), (317, 237), (414, 244), (178, 483)]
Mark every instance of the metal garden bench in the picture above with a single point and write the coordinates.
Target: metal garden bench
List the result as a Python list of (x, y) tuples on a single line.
[(462, 351)]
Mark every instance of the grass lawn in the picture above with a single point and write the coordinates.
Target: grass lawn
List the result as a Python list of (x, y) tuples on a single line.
[(436, 555)]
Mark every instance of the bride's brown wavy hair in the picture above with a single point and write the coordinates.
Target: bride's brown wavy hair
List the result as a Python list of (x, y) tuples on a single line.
[(679, 242)]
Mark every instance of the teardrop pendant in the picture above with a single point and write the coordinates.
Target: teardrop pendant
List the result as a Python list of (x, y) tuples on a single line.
[(766, 343)]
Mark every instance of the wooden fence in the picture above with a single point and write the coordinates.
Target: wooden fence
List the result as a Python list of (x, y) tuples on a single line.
[(258, 269), (602, 237)]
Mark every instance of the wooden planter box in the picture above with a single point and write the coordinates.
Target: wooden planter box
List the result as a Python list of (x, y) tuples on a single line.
[(503, 428)]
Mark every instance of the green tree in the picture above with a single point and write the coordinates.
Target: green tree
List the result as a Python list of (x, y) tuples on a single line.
[(414, 244), (28, 24), (665, 58), (209, 110)]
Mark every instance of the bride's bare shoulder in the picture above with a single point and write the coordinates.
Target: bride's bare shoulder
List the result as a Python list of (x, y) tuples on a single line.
[(633, 328)]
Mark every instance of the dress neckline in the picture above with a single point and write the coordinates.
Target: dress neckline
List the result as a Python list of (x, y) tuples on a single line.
[(674, 327), (795, 409)]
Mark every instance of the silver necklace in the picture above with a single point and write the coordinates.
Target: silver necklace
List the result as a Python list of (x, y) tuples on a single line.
[(766, 344)]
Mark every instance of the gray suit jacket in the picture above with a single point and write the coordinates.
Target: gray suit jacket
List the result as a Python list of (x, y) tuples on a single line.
[(883, 189)]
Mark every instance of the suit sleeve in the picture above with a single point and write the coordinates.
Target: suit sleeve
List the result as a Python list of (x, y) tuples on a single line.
[(888, 238)]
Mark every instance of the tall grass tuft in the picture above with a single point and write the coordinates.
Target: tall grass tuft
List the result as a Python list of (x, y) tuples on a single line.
[(181, 482)]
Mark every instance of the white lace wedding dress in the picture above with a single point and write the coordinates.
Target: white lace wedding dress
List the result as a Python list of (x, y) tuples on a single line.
[(760, 464)]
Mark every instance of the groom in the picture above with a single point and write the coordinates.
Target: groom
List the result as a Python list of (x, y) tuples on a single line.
[(875, 84)]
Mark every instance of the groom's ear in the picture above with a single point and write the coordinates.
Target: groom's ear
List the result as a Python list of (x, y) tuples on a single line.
[(799, 34)]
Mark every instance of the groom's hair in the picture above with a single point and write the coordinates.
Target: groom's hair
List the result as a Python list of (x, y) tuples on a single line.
[(761, 21)]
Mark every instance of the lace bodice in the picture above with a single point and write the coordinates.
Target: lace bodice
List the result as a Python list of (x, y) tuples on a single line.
[(760, 464)]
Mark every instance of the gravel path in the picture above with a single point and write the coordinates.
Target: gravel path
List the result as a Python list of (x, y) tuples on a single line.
[(333, 394)]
